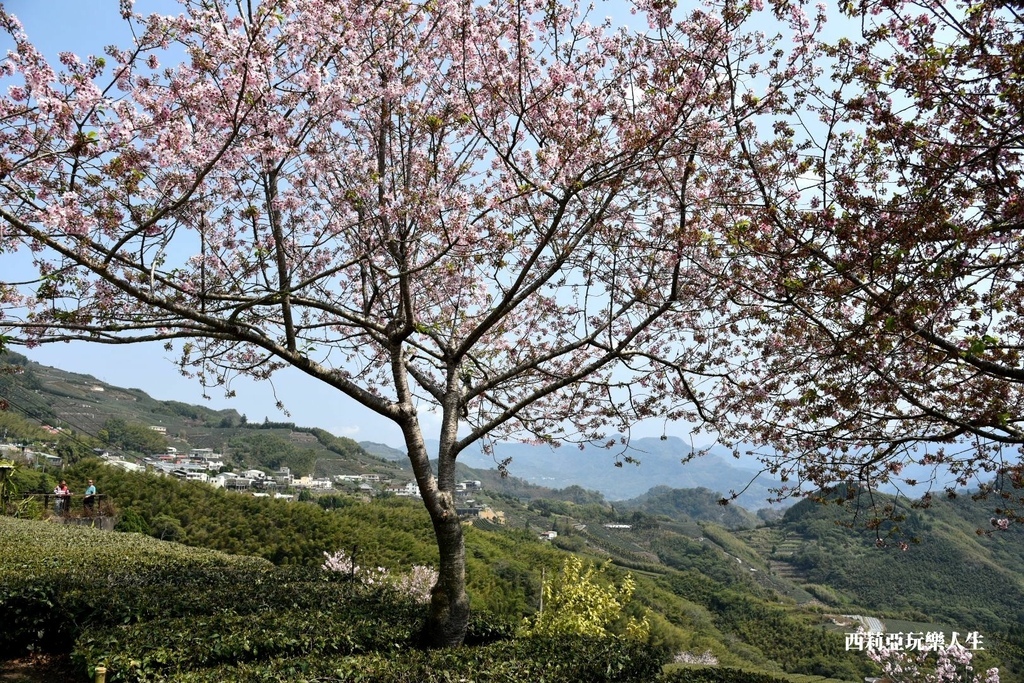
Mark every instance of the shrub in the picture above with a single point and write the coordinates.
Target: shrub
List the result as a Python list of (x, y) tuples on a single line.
[(56, 579), (718, 674), (416, 584), (562, 660), (132, 522), (162, 647), (577, 604)]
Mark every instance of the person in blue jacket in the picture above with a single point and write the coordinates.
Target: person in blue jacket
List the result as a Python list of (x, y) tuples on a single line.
[(90, 496)]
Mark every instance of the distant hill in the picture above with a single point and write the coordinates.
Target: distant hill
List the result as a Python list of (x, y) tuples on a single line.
[(82, 405), (383, 451), (594, 468), (700, 505), (542, 472), (949, 569)]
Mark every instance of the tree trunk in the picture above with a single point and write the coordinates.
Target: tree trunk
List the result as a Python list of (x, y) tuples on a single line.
[(449, 604)]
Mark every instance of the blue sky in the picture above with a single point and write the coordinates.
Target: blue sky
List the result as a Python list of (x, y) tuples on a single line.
[(85, 27)]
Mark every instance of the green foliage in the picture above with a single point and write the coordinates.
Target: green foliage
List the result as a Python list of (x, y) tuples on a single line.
[(271, 452), (699, 504), (157, 611), (578, 496), (954, 575), (281, 531), (503, 568), (73, 447), (182, 409), (712, 605), (132, 436), (331, 501), (566, 660), (336, 444), (8, 488), (20, 430), (782, 637), (20, 483), (15, 372), (56, 579), (167, 528), (589, 508), (721, 674), (578, 602), (131, 522), (162, 646)]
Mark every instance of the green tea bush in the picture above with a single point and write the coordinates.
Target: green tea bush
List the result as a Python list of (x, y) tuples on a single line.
[(160, 648), (719, 674), (540, 660), (56, 580), (486, 628)]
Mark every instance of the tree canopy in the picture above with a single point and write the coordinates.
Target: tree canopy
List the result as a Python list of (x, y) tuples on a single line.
[(537, 224), (497, 210), (885, 301)]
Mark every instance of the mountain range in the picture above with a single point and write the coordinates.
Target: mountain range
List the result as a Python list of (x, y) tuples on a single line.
[(654, 462)]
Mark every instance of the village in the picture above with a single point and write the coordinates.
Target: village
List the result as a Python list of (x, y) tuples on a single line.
[(208, 467)]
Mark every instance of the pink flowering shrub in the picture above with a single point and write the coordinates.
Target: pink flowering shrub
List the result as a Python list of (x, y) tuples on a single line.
[(931, 665), (415, 585), (706, 658)]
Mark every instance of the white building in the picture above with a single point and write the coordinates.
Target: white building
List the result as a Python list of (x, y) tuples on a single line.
[(311, 483), (125, 465), (283, 476), (408, 489)]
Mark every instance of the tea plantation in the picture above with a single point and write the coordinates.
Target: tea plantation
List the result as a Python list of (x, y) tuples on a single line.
[(157, 611)]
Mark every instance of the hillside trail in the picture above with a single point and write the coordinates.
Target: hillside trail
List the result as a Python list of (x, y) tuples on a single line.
[(40, 669)]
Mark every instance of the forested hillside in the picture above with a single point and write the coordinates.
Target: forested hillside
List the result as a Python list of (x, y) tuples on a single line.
[(946, 562), (698, 504), (91, 414)]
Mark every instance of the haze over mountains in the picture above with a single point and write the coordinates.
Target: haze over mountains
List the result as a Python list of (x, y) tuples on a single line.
[(594, 467)]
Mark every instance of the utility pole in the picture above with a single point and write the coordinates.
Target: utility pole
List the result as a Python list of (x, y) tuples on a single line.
[(543, 573)]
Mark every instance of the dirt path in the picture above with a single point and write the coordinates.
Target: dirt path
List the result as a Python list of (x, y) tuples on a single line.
[(40, 669)]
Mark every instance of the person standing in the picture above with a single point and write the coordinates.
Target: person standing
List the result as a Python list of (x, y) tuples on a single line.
[(90, 497), (63, 494)]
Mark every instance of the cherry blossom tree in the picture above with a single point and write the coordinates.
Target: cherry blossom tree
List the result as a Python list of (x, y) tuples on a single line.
[(498, 211), (883, 251)]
